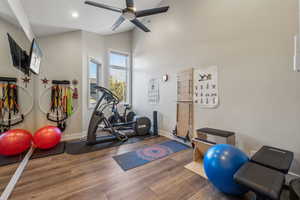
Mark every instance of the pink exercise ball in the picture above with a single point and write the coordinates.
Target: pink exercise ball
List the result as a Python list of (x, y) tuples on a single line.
[(14, 142), (47, 137)]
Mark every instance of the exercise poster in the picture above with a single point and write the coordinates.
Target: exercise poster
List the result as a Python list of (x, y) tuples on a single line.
[(206, 93)]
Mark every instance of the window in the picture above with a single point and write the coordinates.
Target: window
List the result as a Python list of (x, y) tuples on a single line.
[(119, 75), (94, 80)]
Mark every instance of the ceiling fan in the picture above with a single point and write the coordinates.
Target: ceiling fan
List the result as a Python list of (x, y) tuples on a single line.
[(130, 13)]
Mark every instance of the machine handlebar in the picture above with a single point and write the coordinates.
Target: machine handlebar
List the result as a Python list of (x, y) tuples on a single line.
[(109, 96)]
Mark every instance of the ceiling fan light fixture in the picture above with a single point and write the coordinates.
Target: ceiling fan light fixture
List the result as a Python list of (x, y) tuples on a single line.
[(130, 13)]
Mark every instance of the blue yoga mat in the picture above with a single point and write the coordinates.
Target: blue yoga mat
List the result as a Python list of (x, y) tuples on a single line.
[(145, 155)]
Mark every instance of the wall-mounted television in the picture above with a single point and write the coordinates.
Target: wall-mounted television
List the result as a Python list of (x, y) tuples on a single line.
[(20, 58), (35, 57)]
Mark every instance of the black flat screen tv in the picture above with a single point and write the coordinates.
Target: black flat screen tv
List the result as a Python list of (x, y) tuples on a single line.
[(35, 57), (20, 58)]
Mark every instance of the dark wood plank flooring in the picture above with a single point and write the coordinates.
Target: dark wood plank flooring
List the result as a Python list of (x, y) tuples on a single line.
[(97, 176)]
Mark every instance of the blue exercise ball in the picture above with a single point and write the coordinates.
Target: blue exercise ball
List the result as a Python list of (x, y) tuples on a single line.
[(221, 163)]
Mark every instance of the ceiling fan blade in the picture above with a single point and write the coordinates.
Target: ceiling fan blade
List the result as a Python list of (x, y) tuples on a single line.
[(100, 5), (153, 11), (140, 25), (118, 23), (129, 3)]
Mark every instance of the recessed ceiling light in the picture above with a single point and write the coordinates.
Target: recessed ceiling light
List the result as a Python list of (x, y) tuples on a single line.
[(75, 15)]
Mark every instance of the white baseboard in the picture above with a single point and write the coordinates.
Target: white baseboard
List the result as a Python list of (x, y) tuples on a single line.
[(172, 137), (73, 136), (81, 135)]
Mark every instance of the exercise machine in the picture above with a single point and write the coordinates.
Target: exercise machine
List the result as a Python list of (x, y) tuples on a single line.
[(265, 175), (109, 129), (130, 124), (140, 126), (100, 122), (185, 109), (116, 117)]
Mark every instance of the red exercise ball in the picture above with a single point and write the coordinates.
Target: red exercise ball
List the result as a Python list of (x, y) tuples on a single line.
[(14, 142), (47, 137)]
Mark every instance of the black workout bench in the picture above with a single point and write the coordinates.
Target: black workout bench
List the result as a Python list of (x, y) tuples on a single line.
[(229, 136), (265, 175)]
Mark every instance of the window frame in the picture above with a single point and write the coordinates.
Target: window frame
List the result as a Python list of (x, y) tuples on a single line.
[(128, 67), (99, 78)]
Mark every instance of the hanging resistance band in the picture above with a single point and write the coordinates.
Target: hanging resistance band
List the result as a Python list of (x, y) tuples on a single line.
[(61, 103), (9, 104)]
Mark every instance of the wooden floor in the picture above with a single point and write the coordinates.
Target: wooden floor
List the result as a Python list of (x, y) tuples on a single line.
[(97, 176)]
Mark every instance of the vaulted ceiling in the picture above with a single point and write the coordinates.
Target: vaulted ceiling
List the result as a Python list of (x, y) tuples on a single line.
[(6, 13), (55, 16)]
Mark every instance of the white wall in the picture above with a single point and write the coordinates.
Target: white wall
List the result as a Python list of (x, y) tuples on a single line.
[(94, 47), (98, 47), (252, 43), (7, 69), (62, 60)]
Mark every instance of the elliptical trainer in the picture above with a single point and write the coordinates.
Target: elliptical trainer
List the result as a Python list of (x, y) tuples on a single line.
[(99, 121)]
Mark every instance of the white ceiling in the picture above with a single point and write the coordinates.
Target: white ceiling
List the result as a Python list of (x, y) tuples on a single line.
[(54, 16), (6, 13)]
